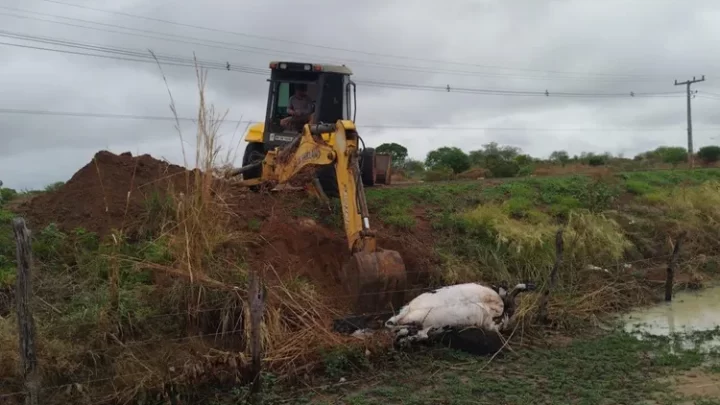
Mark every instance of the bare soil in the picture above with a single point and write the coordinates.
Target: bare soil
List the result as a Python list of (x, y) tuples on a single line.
[(108, 192), (111, 191)]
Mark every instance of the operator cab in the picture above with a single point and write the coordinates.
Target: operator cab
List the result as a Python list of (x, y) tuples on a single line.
[(328, 86)]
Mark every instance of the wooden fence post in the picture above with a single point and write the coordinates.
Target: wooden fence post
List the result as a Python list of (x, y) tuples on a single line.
[(26, 324), (257, 308), (669, 280), (542, 315)]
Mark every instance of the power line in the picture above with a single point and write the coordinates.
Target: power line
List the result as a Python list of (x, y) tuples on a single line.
[(287, 41), (137, 56), (183, 61), (707, 93), (378, 126), (274, 52), (107, 56)]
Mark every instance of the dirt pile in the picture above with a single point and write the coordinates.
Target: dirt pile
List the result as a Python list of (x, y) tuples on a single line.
[(109, 192)]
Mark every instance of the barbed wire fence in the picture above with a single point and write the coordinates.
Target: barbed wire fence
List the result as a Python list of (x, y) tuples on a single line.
[(256, 294)]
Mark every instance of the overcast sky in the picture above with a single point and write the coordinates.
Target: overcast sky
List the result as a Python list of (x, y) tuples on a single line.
[(584, 46)]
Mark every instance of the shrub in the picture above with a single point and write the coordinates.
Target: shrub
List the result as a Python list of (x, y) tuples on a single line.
[(596, 160), (439, 174), (451, 157), (709, 154), (503, 168)]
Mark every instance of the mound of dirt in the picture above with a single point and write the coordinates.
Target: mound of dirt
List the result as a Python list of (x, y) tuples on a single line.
[(109, 192), (475, 173)]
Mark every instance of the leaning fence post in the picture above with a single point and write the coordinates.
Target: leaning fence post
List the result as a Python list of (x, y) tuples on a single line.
[(542, 315), (669, 280), (26, 325), (257, 304)]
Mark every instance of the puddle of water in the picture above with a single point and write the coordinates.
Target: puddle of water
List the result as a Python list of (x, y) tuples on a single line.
[(687, 312)]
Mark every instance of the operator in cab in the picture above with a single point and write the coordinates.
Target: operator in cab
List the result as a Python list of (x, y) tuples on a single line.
[(300, 108)]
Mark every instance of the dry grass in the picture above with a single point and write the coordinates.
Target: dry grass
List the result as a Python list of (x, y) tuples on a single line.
[(126, 344)]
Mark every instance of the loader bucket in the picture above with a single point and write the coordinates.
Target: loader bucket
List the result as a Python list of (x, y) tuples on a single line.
[(383, 164), (376, 281)]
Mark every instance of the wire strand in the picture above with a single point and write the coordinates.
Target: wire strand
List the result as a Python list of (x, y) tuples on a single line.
[(374, 126), (355, 51)]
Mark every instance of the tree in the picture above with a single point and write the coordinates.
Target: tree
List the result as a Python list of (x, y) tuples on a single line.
[(596, 160), (561, 157), (671, 154), (499, 167), (413, 167), (503, 152), (448, 156), (398, 152), (6, 194), (523, 160), (477, 157), (709, 154), (492, 152)]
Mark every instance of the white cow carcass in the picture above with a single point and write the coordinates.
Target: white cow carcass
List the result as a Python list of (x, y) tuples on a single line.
[(455, 307)]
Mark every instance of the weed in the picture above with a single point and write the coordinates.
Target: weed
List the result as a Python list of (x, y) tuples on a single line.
[(614, 368), (340, 361), (54, 186), (254, 224), (397, 213), (638, 187)]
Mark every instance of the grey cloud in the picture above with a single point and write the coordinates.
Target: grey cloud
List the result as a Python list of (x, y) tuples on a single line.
[(656, 41)]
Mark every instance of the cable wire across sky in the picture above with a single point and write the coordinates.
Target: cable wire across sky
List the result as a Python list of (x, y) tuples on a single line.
[(129, 55), (585, 75), (374, 126)]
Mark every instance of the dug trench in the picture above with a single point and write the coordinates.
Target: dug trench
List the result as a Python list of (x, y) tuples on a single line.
[(175, 248), (136, 217)]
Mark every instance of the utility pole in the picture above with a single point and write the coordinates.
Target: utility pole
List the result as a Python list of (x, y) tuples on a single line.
[(691, 155)]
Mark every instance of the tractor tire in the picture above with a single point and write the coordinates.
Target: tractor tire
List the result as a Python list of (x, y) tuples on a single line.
[(254, 151), (367, 167)]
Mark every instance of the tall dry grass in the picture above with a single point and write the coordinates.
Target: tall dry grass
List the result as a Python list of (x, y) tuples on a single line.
[(188, 330), (208, 268)]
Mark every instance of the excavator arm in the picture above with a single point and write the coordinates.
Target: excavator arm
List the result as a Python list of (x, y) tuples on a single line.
[(373, 276)]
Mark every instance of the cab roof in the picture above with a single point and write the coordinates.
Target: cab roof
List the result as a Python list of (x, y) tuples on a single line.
[(318, 67)]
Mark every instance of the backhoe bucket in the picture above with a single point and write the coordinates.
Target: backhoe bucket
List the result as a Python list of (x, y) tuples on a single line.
[(374, 280)]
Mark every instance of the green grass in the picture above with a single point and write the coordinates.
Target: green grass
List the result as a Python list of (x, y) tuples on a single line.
[(7, 249), (612, 369), (481, 231)]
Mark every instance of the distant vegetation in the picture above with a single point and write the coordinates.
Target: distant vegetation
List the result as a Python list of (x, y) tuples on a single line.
[(501, 161)]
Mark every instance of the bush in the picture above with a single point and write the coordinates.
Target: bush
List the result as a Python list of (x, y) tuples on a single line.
[(673, 155), (451, 157), (709, 154), (7, 194), (439, 174), (503, 168), (526, 171), (596, 160)]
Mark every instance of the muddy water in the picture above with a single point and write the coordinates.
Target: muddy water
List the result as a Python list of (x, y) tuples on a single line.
[(688, 312)]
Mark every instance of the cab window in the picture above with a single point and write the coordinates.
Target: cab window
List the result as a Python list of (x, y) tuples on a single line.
[(283, 99)]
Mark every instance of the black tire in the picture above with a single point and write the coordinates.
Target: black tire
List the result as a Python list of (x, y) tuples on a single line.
[(367, 167), (254, 151), (328, 180)]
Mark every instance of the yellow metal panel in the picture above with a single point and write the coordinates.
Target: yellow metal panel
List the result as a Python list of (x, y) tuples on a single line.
[(255, 132), (348, 125)]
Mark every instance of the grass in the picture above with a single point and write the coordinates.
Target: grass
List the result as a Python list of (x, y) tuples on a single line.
[(115, 288), (481, 232), (612, 368)]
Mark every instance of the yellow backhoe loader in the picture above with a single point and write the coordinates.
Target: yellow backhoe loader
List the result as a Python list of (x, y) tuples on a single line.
[(325, 144)]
